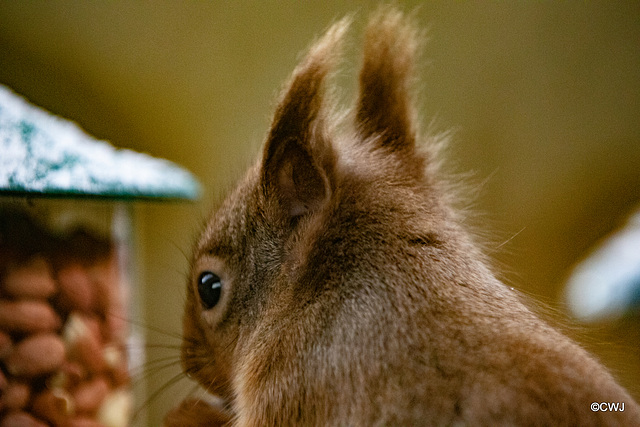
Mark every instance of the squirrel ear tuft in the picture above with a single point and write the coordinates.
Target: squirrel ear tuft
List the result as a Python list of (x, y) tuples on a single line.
[(385, 107), (295, 158), (301, 106)]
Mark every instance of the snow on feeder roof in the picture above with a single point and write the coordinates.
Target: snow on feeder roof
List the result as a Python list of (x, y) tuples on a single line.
[(41, 154)]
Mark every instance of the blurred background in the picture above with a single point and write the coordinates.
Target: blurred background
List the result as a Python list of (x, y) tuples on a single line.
[(543, 99)]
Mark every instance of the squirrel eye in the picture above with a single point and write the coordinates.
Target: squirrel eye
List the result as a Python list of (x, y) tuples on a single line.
[(209, 288)]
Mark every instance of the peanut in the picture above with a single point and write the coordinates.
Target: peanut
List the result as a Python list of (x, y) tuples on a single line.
[(55, 406), (83, 342), (68, 376), (76, 290), (115, 409), (117, 366), (35, 355), (111, 299), (119, 375), (5, 345), (83, 422), (27, 316), (30, 280), (21, 419), (89, 395), (16, 395), (106, 279)]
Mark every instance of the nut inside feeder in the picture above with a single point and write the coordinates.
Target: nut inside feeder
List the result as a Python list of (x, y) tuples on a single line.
[(67, 287)]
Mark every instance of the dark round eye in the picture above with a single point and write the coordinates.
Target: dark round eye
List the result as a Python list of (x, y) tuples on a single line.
[(209, 288)]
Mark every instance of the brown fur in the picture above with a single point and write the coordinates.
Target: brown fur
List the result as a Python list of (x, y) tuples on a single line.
[(351, 293)]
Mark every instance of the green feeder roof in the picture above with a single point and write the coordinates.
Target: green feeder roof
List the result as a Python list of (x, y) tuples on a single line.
[(44, 155)]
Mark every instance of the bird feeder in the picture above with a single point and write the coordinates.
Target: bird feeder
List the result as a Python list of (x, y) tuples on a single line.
[(67, 269)]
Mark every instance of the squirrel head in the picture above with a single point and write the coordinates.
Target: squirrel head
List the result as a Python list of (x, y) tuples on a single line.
[(337, 203)]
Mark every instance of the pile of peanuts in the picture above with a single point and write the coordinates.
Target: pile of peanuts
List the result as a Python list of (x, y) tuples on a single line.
[(62, 330)]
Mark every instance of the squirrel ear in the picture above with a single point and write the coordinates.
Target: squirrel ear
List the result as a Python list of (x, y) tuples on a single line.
[(297, 158), (295, 179), (385, 108)]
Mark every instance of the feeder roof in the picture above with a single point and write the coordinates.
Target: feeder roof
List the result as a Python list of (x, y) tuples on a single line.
[(605, 285), (44, 155)]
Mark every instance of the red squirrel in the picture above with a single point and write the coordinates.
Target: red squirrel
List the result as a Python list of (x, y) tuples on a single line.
[(337, 285)]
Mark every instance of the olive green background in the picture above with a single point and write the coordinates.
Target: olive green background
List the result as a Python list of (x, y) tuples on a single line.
[(543, 99)]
